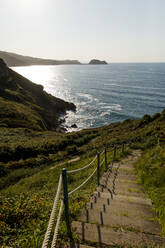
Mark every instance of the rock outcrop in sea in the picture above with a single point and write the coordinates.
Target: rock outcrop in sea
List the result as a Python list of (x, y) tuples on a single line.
[(97, 62)]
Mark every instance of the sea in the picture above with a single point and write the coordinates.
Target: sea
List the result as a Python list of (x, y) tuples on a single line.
[(103, 93)]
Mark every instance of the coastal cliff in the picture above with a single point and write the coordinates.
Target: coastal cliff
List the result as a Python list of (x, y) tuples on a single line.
[(25, 104), (13, 59)]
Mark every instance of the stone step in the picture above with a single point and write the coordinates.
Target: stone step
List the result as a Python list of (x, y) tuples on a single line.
[(132, 208), (126, 177), (122, 175), (121, 198), (121, 218), (109, 181), (122, 183), (114, 236), (83, 246), (125, 191), (128, 192), (77, 245)]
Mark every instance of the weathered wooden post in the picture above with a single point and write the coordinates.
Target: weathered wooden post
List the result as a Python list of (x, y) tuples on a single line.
[(114, 154), (106, 165), (66, 203), (98, 168)]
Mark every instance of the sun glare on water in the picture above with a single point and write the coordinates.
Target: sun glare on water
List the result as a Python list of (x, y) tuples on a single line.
[(36, 74)]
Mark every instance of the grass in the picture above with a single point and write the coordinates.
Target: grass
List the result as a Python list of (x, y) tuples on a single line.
[(151, 170), (134, 190), (28, 186), (30, 210)]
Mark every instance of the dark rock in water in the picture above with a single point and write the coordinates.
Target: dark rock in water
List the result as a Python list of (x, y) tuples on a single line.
[(74, 126), (61, 129), (62, 120), (97, 62)]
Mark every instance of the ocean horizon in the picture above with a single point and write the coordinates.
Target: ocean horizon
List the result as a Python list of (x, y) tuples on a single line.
[(103, 93)]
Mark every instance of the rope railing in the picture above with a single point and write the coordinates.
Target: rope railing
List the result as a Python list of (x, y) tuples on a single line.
[(102, 162), (101, 153), (66, 195), (57, 225), (86, 166), (52, 216), (82, 184)]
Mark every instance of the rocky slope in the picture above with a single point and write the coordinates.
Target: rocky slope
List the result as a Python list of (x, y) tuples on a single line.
[(25, 104)]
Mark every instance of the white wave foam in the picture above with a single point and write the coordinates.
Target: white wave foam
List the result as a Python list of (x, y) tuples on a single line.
[(113, 107), (102, 103), (87, 96), (111, 84), (105, 113), (96, 99)]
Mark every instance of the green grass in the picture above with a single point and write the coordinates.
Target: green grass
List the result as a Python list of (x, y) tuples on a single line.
[(28, 186), (151, 170), (30, 210)]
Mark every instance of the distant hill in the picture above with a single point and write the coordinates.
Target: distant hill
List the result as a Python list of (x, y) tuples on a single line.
[(13, 59), (25, 104), (97, 62)]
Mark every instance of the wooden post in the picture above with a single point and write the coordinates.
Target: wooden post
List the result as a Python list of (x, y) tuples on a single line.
[(106, 165), (98, 169), (114, 154), (66, 203)]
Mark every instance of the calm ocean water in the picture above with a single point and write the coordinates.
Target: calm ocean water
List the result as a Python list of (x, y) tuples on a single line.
[(103, 93)]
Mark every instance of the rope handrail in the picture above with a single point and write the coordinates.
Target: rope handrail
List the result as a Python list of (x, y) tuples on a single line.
[(82, 184), (63, 177), (101, 153), (57, 225), (52, 216), (86, 166), (102, 162)]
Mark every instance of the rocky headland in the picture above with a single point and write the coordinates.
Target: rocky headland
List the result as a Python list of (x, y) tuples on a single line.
[(25, 104), (13, 59)]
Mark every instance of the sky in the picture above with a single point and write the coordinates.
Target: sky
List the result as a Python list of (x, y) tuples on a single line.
[(111, 30)]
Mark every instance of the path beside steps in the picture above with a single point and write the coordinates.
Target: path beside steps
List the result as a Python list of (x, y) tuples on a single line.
[(119, 213)]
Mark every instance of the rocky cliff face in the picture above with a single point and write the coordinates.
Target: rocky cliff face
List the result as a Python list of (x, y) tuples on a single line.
[(3, 70), (25, 104)]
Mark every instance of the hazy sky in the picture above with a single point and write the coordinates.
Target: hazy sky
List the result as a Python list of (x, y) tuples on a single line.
[(112, 30)]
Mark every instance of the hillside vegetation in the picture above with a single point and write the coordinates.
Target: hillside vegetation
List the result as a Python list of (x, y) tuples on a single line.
[(13, 59), (31, 162), (32, 157), (25, 104)]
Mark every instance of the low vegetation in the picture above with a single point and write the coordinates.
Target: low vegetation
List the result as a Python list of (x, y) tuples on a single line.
[(28, 184), (151, 170)]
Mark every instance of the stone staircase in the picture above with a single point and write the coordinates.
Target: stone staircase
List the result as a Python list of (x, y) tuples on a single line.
[(119, 213)]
